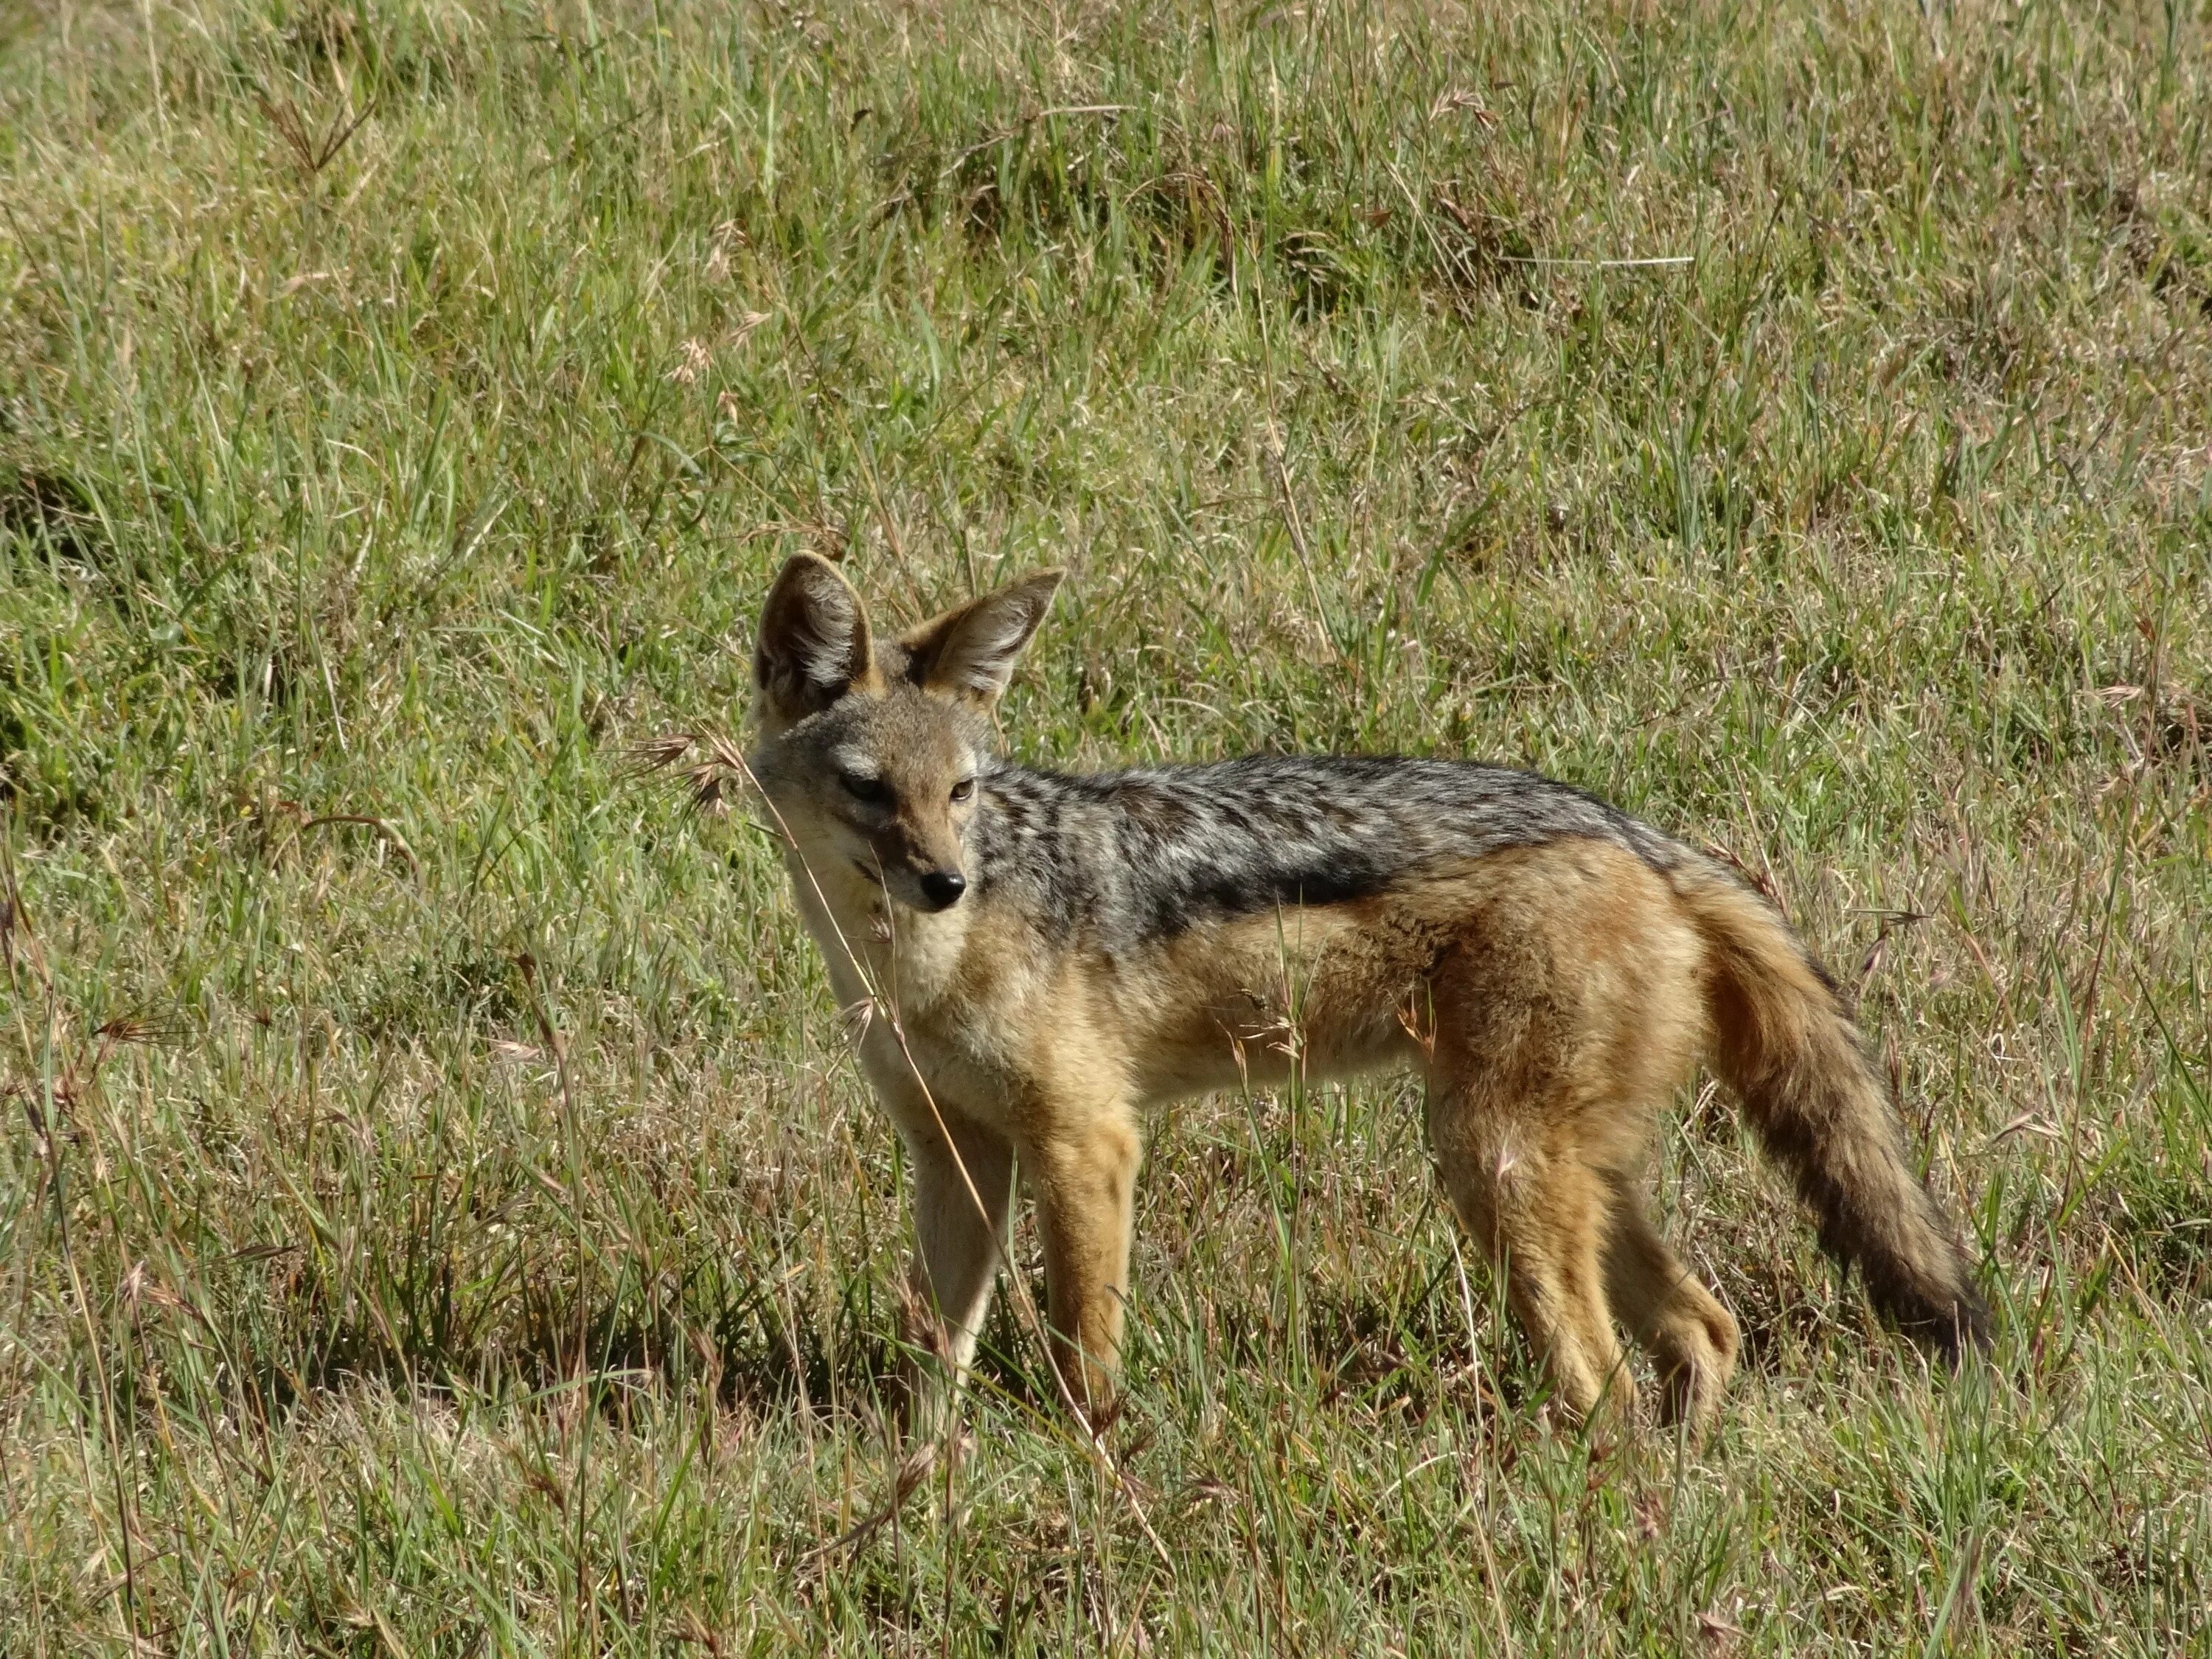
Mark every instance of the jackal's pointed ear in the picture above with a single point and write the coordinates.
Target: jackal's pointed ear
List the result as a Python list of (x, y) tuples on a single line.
[(969, 651), (814, 644)]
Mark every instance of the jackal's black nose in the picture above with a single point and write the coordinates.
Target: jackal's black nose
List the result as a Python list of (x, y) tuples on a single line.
[(943, 888)]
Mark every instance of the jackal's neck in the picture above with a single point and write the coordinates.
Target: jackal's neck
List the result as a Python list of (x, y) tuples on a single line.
[(878, 952)]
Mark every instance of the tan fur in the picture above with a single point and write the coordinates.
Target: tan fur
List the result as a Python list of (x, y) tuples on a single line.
[(1552, 995)]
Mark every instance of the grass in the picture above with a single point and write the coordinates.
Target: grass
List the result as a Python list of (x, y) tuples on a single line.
[(437, 1215)]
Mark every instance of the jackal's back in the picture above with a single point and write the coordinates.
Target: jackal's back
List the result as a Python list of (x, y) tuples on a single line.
[(1134, 856)]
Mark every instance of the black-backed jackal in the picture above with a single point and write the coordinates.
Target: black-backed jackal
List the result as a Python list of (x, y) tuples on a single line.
[(1045, 957)]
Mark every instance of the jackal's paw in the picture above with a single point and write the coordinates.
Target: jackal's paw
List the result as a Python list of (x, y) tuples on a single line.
[(1694, 1362), (1603, 1415)]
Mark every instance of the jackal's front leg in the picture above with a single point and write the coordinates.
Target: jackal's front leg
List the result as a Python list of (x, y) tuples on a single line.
[(963, 1180), (1084, 1173)]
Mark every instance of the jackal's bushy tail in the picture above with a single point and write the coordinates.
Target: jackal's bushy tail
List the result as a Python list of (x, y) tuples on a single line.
[(1783, 1042)]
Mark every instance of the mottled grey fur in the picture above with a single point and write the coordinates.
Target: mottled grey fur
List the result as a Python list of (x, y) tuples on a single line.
[(1129, 857)]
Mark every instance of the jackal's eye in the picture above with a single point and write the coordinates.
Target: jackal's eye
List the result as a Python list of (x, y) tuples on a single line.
[(963, 790), (874, 791)]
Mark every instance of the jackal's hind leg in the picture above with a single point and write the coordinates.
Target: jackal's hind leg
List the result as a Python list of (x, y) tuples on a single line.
[(1542, 1218), (1564, 1010), (1691, 1338), (962, 1198)]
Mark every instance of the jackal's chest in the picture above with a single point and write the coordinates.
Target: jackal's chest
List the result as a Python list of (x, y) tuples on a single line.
[(897, 963), (934, 1000), (957, 1053)]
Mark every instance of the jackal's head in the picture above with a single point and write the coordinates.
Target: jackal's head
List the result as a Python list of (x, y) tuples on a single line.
[(869, 749)]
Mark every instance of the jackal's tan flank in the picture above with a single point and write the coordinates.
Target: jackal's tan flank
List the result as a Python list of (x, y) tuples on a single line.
[(1049, 956)]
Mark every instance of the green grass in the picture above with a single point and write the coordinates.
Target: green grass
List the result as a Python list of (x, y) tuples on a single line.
[(362, 501)]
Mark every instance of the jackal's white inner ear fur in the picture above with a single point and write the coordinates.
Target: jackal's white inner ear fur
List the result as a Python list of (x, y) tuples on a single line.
[(814, 644), (970, 651)]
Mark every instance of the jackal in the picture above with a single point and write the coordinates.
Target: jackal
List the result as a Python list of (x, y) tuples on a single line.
[(1041, 958)]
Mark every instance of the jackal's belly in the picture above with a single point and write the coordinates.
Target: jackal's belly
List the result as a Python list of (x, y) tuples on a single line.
[(1322, 991)]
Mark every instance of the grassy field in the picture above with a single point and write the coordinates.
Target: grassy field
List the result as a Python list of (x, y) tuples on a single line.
[(437, 1215)]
